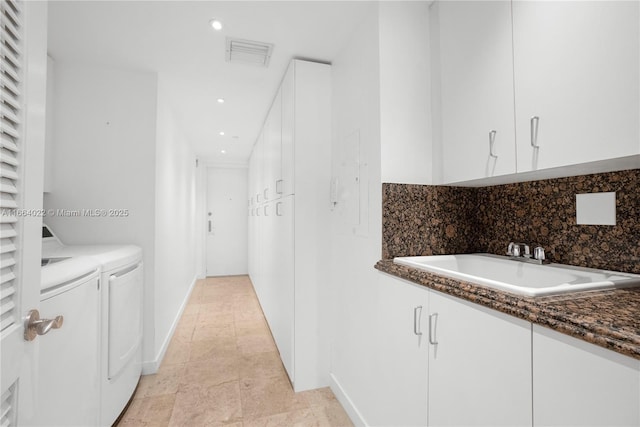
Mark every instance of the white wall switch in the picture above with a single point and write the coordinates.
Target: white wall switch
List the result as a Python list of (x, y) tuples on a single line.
[(596, 208)]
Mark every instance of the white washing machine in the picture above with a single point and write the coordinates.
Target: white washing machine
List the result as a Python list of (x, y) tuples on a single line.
[(67, 388), (121, 284)]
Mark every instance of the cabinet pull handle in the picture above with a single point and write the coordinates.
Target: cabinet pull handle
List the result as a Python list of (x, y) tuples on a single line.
[(492, 140), (209, 226), (278, 213), (534, 131), (417, 313), (265, 193), (279, 186), (433, 322), (266, 212)]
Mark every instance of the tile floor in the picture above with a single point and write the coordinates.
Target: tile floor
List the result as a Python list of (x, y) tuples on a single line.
[(222, 368)]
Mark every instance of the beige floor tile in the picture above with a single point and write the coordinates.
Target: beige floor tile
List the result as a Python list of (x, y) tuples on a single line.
[(252, 327), (262, 397), (216, 347), (214, 318), (256, 343), (150, 411), (299, 418), (177, 353), (166, 381), (222, 368), (332, 415), (210, 372), (208, 406), (208, 332), (261, 365), (320, 397), (191, 309)]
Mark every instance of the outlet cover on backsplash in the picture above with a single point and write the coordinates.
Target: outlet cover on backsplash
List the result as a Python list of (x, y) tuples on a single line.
[(596, 208)]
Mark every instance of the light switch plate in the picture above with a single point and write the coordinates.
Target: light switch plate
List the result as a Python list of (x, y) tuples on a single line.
[(596, 208)]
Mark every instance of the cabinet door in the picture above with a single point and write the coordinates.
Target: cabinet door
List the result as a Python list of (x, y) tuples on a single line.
[(283, 288), (402, 353), (577, 69), (476, 83), (480, 368), (576, 383), (275, 147), (287, 90)]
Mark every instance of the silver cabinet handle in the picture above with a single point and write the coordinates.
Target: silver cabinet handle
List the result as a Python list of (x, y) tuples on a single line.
[(34, 325), (278, 212), (534, 131), (433, 323), (209, 226), (279, 186), (265, 193), (417, 313), (266, 211), (257, 211), (492, 140)]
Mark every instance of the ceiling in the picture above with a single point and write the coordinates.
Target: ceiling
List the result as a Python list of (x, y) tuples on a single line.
[(174, 39)]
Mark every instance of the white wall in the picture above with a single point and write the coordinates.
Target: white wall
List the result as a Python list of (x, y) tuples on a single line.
[(104, 158), (355, 105), (381, 89), (176, 220), (405, 93), (119, 145)]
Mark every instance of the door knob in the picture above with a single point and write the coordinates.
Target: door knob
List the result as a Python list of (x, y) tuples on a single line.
[(34, 325)]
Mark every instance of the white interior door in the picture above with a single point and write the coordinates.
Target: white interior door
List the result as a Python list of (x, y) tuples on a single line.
[(227, 224), (22, 83)]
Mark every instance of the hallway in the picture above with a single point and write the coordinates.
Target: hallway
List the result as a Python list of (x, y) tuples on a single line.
[(222, 368)]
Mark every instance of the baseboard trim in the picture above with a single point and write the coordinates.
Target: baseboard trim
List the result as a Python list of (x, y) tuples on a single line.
[(347, 404), (150, 367)]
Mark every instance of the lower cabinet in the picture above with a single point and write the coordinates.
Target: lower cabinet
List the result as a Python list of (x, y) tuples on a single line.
[(402, 353), (576, 383), (479, 365), (448, 362)]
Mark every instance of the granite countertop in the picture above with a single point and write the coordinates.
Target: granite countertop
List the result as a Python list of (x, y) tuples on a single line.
[(608, 318)]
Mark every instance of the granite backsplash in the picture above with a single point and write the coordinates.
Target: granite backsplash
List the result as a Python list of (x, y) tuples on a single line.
[(438, 220)]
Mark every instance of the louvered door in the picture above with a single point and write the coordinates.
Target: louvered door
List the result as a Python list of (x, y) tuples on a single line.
[(11, 132), (21, 125)]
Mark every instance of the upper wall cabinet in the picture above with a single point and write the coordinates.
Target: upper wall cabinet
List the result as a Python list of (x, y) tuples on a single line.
[(576, 81), (566, 73), (476, 83)]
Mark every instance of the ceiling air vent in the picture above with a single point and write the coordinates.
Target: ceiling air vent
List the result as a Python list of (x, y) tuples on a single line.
[(248, 52)]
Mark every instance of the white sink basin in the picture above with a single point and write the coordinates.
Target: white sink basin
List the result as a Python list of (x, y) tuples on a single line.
[(518, 277)]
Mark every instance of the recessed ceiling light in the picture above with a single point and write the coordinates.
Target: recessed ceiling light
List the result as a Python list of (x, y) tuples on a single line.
[(223, 151), (215, 24), (221, 133), (220, 100)]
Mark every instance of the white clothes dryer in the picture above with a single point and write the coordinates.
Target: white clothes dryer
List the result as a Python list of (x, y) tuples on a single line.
[(121, 290), (67, 384)]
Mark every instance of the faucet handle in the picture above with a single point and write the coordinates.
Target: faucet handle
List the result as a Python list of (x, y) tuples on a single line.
[(538, 253), (510, 249)]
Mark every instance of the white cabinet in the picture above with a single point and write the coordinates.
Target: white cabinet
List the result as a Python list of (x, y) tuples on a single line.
[(287, 91), (272, 134), (402, 353), (480, 368), (562, 76), (576, 383), (476, 83), (289, 246), (577, 68)]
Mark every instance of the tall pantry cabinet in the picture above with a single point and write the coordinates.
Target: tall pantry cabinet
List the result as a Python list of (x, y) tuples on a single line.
[(289, 176)]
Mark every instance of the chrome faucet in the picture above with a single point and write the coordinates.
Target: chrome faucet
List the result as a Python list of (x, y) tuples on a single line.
[(519, 250), (522, 252)]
